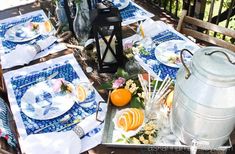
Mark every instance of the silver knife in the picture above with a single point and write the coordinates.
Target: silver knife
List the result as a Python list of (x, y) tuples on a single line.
[(40, 80), (71, 124)]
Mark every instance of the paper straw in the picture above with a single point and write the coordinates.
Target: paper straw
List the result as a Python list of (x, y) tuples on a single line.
[(155, 87), (149, 82)]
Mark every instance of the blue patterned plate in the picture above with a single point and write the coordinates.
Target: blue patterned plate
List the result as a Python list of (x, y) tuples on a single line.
[(44, 101), (120, 4), (22, 32), (168, 53)]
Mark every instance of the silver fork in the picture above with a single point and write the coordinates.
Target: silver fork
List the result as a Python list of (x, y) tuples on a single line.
[(42, 79)]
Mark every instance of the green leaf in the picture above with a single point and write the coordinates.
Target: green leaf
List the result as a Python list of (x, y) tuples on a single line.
[(158, 84), (120, 140), (136, 103), (121, 73), (107, 85), (123, 136)]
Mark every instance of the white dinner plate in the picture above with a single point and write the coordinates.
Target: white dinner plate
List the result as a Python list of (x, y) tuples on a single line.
[(22, 32), (43, 102), (168, 53), (120, 4)]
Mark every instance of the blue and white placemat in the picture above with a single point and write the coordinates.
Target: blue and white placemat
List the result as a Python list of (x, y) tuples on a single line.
[(67, 68), (36, 16), (133, 13), (159, 35)]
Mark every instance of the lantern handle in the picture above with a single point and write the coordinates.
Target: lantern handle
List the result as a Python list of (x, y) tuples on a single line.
[(226, 55), (185, 66)]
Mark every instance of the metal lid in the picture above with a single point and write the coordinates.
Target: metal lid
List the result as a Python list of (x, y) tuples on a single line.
[(215, 63)]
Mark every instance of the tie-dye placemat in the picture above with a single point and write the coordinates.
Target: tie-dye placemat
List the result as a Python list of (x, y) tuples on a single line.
[(67, 67)]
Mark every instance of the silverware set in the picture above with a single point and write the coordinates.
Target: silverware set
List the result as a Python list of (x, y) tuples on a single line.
[(41, 79)]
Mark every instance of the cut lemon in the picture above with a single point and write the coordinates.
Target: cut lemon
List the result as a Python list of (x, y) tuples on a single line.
[(81, 93), (48, 26)]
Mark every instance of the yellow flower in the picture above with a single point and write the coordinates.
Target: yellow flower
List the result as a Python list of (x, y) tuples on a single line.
[(148, 132), (145, 142), (141, 138), (135, 140), (151, 139), (148, 128)]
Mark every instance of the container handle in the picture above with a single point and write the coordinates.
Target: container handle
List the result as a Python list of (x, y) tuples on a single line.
[(185, 66), (226, 55), (193, 147)]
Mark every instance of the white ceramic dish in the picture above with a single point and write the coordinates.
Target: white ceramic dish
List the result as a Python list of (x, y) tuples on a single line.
[(120, 4), (41, 102), (22, 32), (168, 53)]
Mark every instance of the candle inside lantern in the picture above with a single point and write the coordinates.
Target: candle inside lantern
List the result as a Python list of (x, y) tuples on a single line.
[(109, 57)]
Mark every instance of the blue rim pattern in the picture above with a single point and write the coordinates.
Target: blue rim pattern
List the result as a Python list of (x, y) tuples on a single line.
[(67, 72)]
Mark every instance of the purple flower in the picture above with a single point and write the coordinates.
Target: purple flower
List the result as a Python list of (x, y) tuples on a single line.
[(118, 82)]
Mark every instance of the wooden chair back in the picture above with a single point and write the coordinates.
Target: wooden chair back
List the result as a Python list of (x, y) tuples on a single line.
[(190, 27)]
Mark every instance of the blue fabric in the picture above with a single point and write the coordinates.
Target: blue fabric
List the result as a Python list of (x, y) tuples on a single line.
[(130, 12), (155, 65), (65, 71), (5, 130)]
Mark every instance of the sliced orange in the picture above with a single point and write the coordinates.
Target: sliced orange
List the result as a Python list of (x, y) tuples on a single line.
[(81, 93), (122, 123), (135, 119), (129, 118), (141, 117)]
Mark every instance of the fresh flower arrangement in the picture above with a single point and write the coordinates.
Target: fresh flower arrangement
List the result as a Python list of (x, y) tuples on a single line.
[(130, 49), (61, 86), (122, 80)]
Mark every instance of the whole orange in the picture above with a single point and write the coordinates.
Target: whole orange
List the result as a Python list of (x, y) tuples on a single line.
[(120, 97)]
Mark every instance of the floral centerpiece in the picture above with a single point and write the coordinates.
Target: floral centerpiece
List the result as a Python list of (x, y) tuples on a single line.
[(129, 95), (122, 80)]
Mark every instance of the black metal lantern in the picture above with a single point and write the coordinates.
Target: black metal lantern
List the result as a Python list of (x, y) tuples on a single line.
[(106, 22)]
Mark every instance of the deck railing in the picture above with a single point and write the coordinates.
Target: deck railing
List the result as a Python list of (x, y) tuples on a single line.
[(214, 11), (220, 12)]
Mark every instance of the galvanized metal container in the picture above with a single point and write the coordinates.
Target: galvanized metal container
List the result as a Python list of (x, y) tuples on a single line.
[(203, 111)]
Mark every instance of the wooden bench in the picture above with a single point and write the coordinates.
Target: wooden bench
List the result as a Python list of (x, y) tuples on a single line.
[(190, 27)]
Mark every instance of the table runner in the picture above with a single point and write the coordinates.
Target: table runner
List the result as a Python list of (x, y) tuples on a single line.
[(67, 68), (36, 16), (159, 32), (133, 13)]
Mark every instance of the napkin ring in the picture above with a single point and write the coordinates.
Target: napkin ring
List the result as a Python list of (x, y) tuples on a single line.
[(79, 131)]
